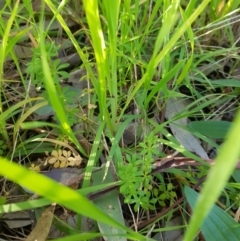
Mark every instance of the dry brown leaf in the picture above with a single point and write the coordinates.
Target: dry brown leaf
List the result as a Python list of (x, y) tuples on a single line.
[(63, 158), (41, 230)]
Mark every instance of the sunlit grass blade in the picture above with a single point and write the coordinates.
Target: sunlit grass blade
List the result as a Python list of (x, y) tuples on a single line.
[(181, 30), (5, 36), (217, 179), (5, 32), (112, 12), (6, 114), (99, 47), (25, 116), (41, 202), (52, 92), (98, 42), (189, 56), (61, 194), (157, 57), (93, 155)]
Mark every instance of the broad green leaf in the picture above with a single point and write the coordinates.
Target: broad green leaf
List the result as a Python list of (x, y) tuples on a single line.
[(211, 129), (217, 178), (226, 83), (218, 225)]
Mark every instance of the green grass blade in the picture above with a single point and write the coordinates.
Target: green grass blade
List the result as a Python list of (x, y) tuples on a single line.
[(98, 42), (41, 202), (217, 179), (52, 93), (5, 37), (158, 57), (25, 116), (112, 11), (180, 31), (73, 40), (92, 158), (63, 195), (5, 31)]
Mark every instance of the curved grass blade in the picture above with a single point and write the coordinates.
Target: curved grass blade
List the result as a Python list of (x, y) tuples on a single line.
[(217, 178), (63, 195), (52, 92), (41, 202)]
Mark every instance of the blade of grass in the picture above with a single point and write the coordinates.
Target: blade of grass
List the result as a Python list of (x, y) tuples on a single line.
[(217, 179), (157, 57), (37, 124), (181, 30), (52, 92), (5, 35), (98, 42), (41, 202), (112, 12), (5, 32), (5, 115), (73, 40), (63, 195), (92, 158), (25, 116), (190, 37)]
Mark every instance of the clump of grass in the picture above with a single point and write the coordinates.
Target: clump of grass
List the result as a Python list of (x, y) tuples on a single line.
[(139, 56)]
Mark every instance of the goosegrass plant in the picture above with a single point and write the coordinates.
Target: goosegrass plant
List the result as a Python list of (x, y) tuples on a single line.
[(137, 181), (143, 52)]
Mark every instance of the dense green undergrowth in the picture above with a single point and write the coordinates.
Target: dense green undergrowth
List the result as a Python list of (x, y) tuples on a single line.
[(132, 95)]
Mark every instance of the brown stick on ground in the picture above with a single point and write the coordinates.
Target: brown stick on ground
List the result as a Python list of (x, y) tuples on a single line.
[(163, 164)]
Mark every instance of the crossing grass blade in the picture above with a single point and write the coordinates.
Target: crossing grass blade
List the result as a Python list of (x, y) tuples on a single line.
[(217, 179), (65, 196)]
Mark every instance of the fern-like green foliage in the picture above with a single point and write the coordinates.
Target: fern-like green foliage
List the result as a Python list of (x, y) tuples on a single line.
[(137, 181)]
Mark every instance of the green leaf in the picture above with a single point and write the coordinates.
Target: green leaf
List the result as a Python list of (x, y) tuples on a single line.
[(226, 82), (211, 129), (218, 177), (218, 225)]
